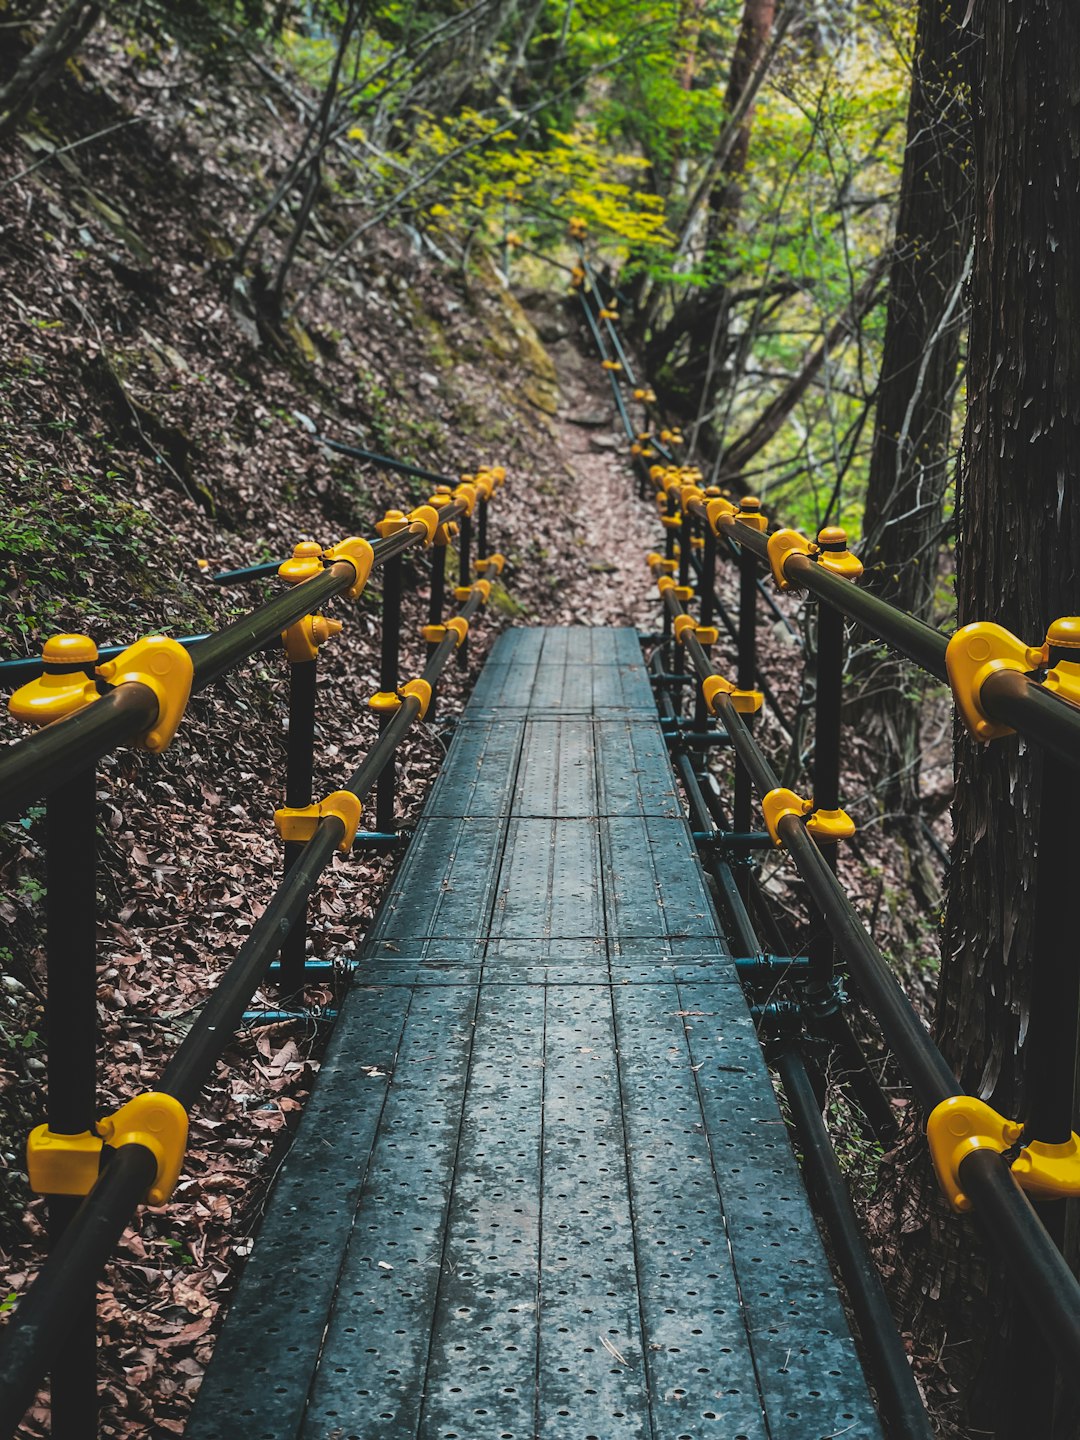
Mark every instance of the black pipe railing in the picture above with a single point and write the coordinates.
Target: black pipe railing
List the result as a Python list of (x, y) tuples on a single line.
[(54, 1324)]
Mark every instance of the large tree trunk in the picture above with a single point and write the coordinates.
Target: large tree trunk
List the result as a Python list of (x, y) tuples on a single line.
[(927, 310), (1019, 564)]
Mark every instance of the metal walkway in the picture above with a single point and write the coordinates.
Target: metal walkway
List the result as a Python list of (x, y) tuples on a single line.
[(543, 1187)]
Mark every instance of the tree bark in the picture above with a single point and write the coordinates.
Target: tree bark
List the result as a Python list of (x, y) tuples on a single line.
[(44, 61), (927, 311), (1018, 564)]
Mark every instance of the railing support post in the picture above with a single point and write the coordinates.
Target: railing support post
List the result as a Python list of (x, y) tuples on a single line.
[(464, 575), (71, 1024), (436, 600), (389, 659), (299, 767), (826, 786), (706, 599), (747, 670)]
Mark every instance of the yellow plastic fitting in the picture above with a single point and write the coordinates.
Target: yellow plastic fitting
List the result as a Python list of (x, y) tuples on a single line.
[(955, 1128), (608, 314), (66, 685), (781, 544), (302, 639), (1062, 653), (421, 690), (747, 702), (647, 395), (70, 1164), (305, 564), (830, 825), (498, 474), (749, 513), (686, 624), (358, 552), (391, 523), (778, 803), (62, 1164), (973, 654), (513, 239), (466, 494), (299, 823), (165, 667), (458, 626), (610, 365), (495, 563), (1049, 1172), (578, 227), (720, 511), (462, 592), (160, 1123), (671, 522), (428, 517), (384, 701), (833, 554), (577, 278)]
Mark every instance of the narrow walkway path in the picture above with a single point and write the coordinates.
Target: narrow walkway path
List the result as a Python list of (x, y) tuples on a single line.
[(543, 1187)]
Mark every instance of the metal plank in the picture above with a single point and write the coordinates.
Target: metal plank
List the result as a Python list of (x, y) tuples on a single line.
[(376, 1343), (701, 1372), (549, 885), (633, 772), (264, 1360), (557, 774), (653, 881), (806, 1360), (592, 1379), (446, 882), (481, 1378), (477, 776)]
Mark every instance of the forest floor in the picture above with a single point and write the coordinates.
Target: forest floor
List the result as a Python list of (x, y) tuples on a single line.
[(148, 430)]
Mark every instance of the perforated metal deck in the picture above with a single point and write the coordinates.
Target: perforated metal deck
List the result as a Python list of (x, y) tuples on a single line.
[(543, 1187)]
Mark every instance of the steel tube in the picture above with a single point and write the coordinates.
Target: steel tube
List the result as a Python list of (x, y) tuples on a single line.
[(826, 782), (389, 665), (897, 1391), (71, 1028), (300, 759), (386, 462)]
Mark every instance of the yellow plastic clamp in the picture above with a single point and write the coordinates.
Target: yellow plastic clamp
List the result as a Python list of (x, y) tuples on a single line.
[(421, 690), (513, 239), (458, 626), (495, 563), (833, 554), (610, 365), (462, 592), (720, 511), (955, 1128), (391, 523), (384, 701), (824, 825), (647, 395), (608, 314), (749, 513), (671, 522), (305, 563), (1062, 653), (66, 685), (689, 493), (782, 544), (686, 624), (302, 639), (747, 702), (299, 823), (165, 667), (428, 517), (578, 227), (466, 494), (973, 654), (69, 1164), (358, 552), (577, 278)]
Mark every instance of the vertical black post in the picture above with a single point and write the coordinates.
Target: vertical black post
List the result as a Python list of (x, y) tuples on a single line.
[(464, 576), (747, 667), (706, 599), (669, 554), (299, 766), (826, 788), (436, 600), (71, 1025), (481, 529), (388, 683)]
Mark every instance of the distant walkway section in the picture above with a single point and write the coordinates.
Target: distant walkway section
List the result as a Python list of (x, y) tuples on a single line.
[(543, 1189)]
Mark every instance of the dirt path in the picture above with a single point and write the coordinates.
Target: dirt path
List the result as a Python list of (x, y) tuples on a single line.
[(613, 528)]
